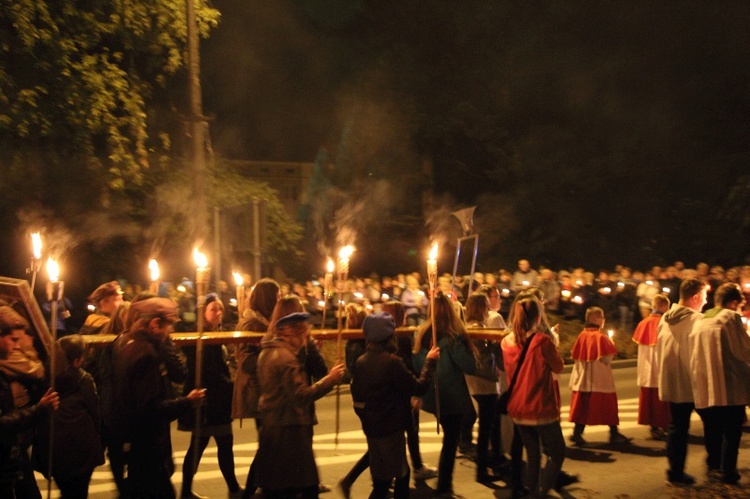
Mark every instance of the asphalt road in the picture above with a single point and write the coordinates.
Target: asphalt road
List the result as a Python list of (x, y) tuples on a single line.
[(636, 470)]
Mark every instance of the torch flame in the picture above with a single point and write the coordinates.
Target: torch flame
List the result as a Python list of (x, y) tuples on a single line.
[(329, 267), (346, 252), (237, 278), (53, 269), (434, 252), (200, 259), (36, 244), (153, 267)]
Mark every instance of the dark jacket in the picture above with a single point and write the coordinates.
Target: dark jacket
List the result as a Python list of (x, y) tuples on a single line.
[(286, 395), (246, 386), (143, 406), (12, 422), (77, 439), (382, 389), (217, 382)]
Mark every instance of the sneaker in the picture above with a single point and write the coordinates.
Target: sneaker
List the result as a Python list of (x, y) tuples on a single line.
[(618, 438), (577, 440), (683, 480), (425, 472), (344, 489)]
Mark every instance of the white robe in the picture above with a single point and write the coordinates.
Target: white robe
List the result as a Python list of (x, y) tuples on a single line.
[(720, 361)]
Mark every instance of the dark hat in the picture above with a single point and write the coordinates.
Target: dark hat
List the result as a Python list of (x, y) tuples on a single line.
[(10, 319), (210, 298), (106, 290), (150, 308), (294, 318), (378, 327)]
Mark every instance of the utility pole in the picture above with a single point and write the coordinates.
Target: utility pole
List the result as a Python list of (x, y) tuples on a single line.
[(197, 128)]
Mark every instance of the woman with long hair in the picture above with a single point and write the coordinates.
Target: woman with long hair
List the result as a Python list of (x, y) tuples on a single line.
[(484, 387), (260, 305), (457, 358), (217, 413), (533, 406)]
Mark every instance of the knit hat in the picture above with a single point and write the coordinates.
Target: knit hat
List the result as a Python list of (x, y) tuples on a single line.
[(210, 298), (10, 319), (106, 290), (378, 327), (150, 308), (294, 318)]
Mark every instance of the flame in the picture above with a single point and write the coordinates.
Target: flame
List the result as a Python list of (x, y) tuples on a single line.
[(200, 259), (36, 245), (329, 266), (434, 252), (53, 269), (346, 252), (153, 267), (238, 280)]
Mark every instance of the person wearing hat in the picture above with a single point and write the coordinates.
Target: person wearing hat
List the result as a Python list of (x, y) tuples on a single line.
[(381, 393), (217, 416), (105, 299), (285, 459), (143, 405), (16, 473)]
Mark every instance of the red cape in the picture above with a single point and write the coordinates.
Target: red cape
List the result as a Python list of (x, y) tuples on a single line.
[(591, 345), (646, 332)]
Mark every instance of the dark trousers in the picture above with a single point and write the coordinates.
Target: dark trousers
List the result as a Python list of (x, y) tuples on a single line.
[(722, 431), (489, 430), (117, 459), (400, 488), (534, 437), (225, 457), (516, 461), (74, 488), (467, 429), (251, 485), (677, 437), (451, 424), (412, 440), (359, 467)]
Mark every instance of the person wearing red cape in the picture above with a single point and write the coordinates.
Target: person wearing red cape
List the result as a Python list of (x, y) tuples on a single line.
[(651, 410), (594, 399)]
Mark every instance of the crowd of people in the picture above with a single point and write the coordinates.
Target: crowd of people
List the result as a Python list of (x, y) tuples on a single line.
[(121, 399)]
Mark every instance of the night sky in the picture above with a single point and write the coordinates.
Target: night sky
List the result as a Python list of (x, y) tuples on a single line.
[(587, 133)]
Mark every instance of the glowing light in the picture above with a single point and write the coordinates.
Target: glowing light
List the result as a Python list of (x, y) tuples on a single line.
[(358, 295), (579, 282), (53, 270), (577, 299), (91, 308), (565, 293), (200, 259), (420, 292), (153, 267), (346, 252), (506, 292), (385, 297), (36, 245), (181, 288), (606, 290), (665, 290), (330, 266), (650, 283), (238, 280), (611, 333), (233, 302), (321, 303), (434, 252), (620, 284), (525, 283)]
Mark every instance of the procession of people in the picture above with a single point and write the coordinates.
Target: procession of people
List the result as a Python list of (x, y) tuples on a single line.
[(121, 399)]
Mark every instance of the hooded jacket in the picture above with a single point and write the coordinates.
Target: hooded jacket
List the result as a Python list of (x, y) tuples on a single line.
[(720, 361), (673, 352)]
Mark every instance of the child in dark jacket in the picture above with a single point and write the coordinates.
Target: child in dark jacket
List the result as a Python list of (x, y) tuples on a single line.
[(381, 391), (77, 440)]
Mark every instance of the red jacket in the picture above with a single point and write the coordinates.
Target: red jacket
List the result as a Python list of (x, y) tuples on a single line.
[(533, 400)]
